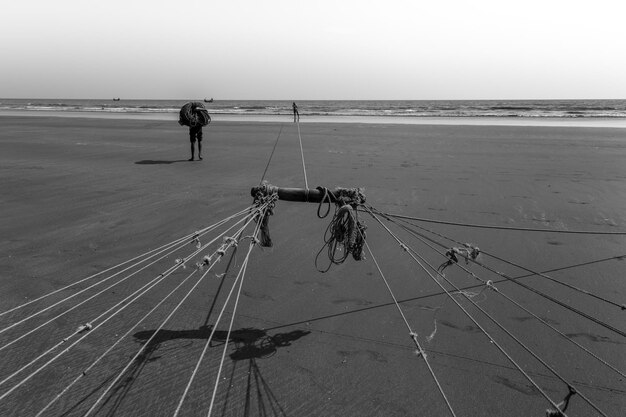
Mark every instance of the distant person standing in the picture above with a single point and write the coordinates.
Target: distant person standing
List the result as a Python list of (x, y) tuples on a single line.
[(194, 115), (296, 114)]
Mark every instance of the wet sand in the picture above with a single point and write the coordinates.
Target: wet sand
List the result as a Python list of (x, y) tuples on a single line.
[(81, 194)]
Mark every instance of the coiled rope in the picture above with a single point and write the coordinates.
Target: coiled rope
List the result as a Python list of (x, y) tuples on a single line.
[(345, 234)]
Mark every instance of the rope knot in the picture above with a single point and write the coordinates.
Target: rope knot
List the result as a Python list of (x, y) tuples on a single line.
[(181, 261), (206, 260), (562, 406), (84, 327), (467, 252), (265, 201)]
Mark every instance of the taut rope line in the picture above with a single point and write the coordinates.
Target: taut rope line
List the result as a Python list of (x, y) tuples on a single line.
[(221, 313), (512, 336), (181, 242), (158, 280), (491, 339), (528, 287), (220, 253), (565, 284), (86, 370), (189, 236), (306, 183), (151, 284), (82, 302), (244, 267), (520, 229), (102, 291), (271, 155), (412, 334), (543, 275), (498, 291), (136, 294)]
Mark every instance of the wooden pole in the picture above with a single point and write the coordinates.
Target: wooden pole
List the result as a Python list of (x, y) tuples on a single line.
[(297, 194)]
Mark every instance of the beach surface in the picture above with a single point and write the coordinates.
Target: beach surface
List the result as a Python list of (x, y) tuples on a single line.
[(82, 194)]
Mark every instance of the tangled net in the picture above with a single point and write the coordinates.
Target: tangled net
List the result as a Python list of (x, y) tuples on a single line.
[(193, 114)]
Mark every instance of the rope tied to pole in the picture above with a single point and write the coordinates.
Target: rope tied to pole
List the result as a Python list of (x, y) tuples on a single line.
[(265, 197)]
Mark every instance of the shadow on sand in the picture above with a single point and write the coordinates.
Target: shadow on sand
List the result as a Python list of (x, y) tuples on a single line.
[(153, 162), (249, 344)]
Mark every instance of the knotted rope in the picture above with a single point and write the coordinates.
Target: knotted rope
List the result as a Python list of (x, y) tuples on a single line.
[(265, 197), (467, 252), (562, 406)]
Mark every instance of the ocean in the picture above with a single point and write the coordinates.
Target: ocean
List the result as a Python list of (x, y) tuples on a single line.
[(378, 108)]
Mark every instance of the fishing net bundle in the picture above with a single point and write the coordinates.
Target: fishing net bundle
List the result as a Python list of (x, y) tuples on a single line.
[(193, 114)]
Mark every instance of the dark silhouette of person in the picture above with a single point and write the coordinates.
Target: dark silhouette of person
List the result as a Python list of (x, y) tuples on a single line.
[(296, 114), (195, 135)]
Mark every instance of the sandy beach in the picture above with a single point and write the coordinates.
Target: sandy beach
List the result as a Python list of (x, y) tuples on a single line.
[(82, 194)]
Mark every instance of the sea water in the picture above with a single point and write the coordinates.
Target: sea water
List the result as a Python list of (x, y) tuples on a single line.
[(408, 109)]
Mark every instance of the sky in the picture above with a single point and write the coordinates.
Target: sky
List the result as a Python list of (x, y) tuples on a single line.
[(315, 49)]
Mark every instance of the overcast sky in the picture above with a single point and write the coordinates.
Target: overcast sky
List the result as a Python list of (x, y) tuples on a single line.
[(314, 49)]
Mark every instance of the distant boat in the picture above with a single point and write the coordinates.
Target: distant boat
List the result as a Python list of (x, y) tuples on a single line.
[(206, 101), (116, 99)]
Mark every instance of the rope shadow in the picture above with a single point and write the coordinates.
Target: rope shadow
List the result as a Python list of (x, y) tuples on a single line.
[(258, 392)]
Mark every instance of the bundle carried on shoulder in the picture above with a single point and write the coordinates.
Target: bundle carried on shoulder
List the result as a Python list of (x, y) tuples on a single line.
[(193, 114)]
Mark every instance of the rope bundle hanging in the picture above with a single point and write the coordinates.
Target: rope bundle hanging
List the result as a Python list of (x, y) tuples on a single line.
[(193, 114), (345, 235), (266, 196)]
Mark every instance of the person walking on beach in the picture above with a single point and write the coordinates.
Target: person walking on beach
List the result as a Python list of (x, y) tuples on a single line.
[(195, 134), (194, 115), (296, 114)]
